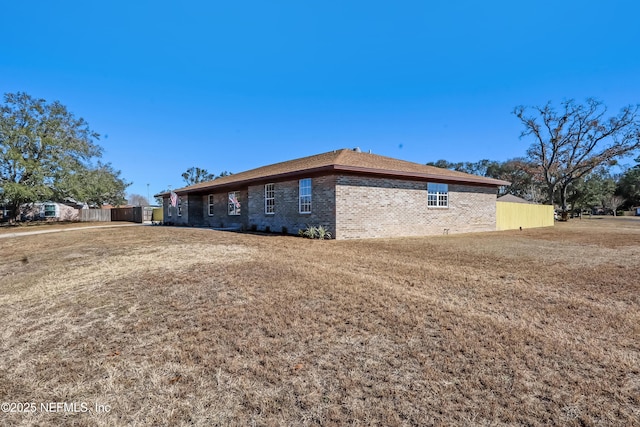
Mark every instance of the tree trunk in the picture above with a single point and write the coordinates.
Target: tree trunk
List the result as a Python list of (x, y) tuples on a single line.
[(14, 208), (550, 192), (563, 197)]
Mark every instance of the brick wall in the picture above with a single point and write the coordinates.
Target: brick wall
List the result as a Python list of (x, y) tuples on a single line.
[(286, 209), (195, 211), (379, 207), (169, 213), (220, 217), (173, 210), (350, 207)]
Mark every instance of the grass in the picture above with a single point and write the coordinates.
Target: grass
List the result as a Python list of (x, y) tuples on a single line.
[(28, 227), (178, 326)]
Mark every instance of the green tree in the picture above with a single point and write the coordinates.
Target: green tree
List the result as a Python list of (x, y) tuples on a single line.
[(592, 191), (445, 164), (159, 200), (196, 175), (46, 153), (95, 185), (570, 143), (223, 174), (523, 175), (484, 167), (629, 185)]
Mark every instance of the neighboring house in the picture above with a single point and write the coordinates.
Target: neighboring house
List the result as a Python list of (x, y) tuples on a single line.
[(54, 211), (510, 198), (5, 214), (353, 194)]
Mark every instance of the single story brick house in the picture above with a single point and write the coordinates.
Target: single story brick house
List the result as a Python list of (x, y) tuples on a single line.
[(352, 193)]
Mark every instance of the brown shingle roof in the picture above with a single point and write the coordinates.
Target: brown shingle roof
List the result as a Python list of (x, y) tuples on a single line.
[(342, 161)]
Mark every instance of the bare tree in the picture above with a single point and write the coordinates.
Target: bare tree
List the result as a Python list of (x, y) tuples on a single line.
[(613, 202), (572, 142), (137, 200)]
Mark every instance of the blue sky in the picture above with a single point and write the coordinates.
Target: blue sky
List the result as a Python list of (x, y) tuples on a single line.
[(237, 85)]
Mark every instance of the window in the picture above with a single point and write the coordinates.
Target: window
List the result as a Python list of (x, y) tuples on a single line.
[(210, 204), (305, 195), (49, 211), (234, 204), (269, 199), (169, 207), (437, 195), (179, 206)]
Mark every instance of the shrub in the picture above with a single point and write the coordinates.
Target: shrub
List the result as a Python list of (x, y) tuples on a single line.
[(311, 232), (323, 233)]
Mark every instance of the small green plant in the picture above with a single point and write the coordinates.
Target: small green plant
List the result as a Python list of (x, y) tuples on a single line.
[(323, 233), (311, 232)]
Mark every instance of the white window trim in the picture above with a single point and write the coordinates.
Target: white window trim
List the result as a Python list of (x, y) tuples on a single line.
[(438, 195), (179, 206), (236, 210), (169, 207), (267, 198), (300, 196), (44, 210), (210, 204)]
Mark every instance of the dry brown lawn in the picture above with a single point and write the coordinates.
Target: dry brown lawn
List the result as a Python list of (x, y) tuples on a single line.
[(49, 226), (179, 326)]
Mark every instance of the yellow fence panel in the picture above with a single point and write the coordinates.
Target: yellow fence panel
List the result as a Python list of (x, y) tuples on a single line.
[(511, 216), (157, 215)]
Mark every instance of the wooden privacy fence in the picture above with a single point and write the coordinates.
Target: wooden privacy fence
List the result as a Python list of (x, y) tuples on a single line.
[(511, 216), (135, 214), (95, 215), (131, 214)]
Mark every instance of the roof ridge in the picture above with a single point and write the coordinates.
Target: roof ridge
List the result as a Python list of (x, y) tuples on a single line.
[(341, 154), (346, 160)]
